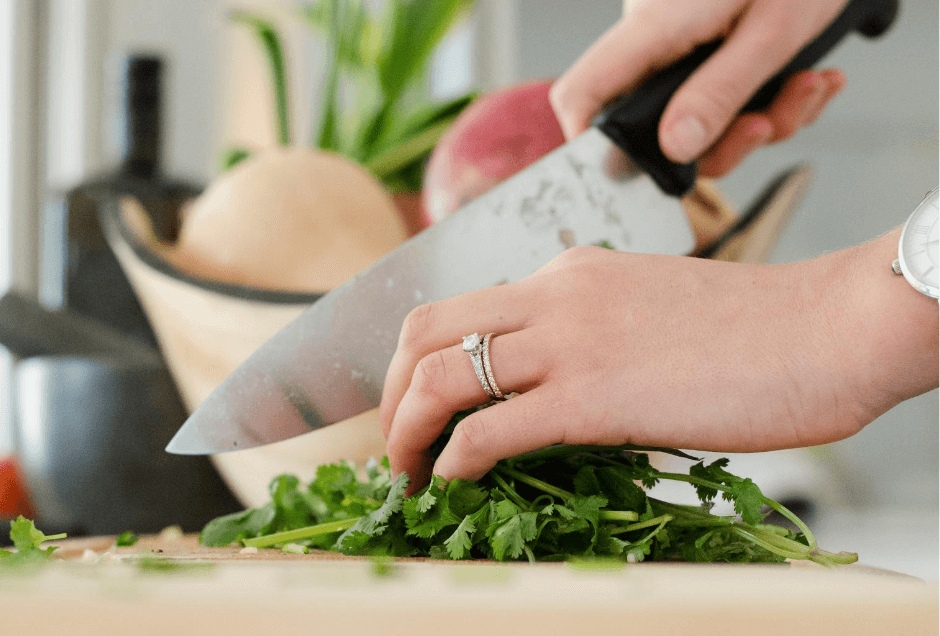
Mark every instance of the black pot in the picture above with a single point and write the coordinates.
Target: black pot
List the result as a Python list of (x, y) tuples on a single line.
[(93, 412)]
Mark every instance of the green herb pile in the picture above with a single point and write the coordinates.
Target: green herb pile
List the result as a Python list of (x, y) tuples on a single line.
[(560, 503), (28, 543)]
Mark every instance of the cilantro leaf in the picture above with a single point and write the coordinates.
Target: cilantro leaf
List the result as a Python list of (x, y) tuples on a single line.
[(28, 540), (508, 537), (429, 513), (232, 528), (459, 543), (25, 535), (747, 497), (748, 501), (374, 524)]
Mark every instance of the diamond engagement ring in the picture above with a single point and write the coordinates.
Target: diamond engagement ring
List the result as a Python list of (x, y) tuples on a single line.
[(479, 351)]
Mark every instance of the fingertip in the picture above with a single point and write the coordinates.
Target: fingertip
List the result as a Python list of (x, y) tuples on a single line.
[(569, 111), (684, 139), (834, 76), (450, 466), (835, 80), (418, 471)]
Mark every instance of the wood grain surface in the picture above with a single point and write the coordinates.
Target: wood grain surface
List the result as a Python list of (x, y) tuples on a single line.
[(276, 593)]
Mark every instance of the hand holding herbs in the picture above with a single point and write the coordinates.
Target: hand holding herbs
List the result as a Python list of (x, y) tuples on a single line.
[(561, 503)]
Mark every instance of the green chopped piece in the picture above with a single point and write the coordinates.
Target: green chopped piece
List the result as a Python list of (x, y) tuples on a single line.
[(126, 539)]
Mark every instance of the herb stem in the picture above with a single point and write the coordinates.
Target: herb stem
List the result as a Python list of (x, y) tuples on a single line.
[(782, 551), (289, 536), (810, 538), (511, 492), (791, 549), (619, 515), (655, 521), (690, 512), (535, 483), (765, 500)]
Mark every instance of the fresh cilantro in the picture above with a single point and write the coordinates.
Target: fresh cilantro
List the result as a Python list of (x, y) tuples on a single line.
[(560, 503), (27, 540), (459, 543)]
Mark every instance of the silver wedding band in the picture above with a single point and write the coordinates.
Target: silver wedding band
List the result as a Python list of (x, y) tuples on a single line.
[(479, 351)]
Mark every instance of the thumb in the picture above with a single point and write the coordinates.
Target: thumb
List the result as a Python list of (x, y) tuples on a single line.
[(707, 103)]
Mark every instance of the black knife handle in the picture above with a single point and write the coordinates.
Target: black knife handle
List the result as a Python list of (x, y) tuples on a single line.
[(632, 121)]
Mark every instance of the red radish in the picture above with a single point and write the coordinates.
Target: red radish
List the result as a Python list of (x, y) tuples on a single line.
[(289, 219), (494, 138), (412, 212), (13, 498)]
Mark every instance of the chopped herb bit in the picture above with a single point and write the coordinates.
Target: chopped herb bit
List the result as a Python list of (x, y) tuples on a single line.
[(170, 566), (294, 548), (28, 543), (126, 539), (384, 568)]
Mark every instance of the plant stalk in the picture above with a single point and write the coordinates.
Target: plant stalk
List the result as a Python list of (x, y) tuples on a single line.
[(289, 536)]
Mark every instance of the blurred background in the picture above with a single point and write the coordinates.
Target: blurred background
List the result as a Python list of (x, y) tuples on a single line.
[(87, 399)]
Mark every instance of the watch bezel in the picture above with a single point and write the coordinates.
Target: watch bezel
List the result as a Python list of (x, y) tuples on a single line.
[(916, 283)]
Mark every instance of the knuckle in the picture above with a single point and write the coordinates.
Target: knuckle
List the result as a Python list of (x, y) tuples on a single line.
[(430, 375), (471, 437), (715, 106), (416, 326), (559, 96), (574, 256)]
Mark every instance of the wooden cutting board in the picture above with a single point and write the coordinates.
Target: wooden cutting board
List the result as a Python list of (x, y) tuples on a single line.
[(276, 593)]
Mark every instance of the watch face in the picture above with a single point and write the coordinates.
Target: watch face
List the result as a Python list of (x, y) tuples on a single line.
[(919, 248)]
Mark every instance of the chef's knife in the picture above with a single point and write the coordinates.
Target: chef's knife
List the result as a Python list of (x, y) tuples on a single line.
[(330, 363)]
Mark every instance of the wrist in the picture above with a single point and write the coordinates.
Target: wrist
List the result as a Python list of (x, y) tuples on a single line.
[(892, 327)]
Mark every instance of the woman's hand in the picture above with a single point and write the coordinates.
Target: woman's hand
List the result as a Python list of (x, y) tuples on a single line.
[(760, 37), (611, 348)]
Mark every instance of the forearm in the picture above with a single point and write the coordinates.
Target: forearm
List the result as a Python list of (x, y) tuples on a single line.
[(890, 330)]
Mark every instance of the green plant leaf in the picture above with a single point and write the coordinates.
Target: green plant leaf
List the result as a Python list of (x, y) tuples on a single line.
[(417, 140), (233, 157), (414, 30), (270, 42), (355, 25), (232, 528)]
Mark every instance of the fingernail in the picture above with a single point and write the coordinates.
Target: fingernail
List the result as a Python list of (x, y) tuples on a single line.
[(685, 140)]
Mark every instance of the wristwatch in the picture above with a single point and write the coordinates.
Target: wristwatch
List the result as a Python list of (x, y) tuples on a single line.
[(917, 249)]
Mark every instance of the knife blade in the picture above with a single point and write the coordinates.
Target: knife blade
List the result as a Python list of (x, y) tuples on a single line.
[(611, 184)]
